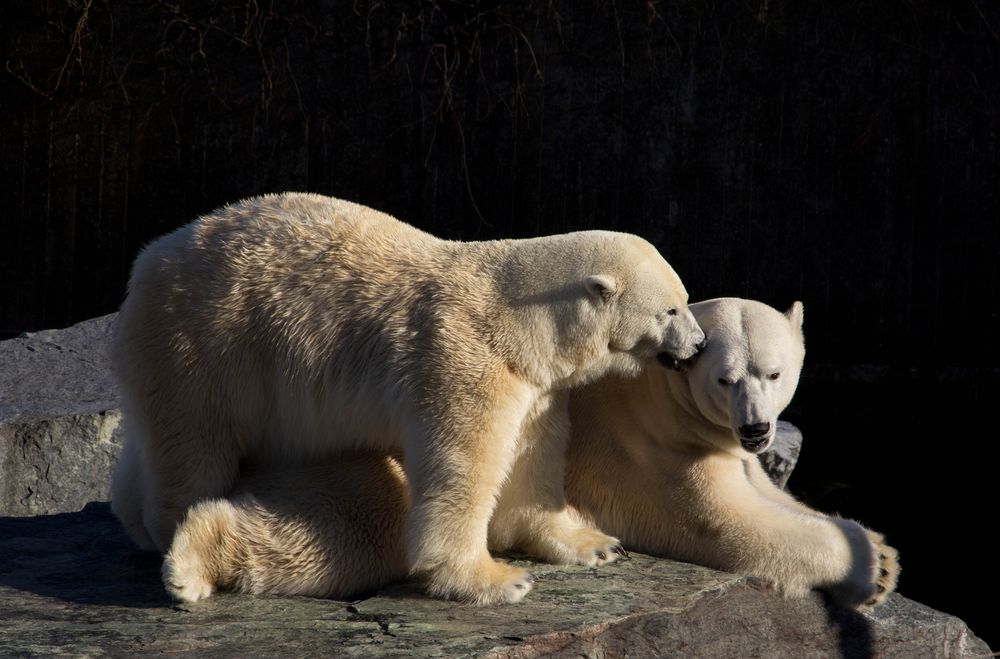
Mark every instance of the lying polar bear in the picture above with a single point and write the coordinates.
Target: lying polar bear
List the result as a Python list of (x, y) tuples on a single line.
[(667, 462), (664, 461), (295, 327)]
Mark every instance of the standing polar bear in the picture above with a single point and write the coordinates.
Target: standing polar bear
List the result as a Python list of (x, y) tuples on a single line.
[(665, 461), (291, 327)]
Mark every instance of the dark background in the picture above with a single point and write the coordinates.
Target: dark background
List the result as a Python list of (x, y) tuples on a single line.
[(841, 153)]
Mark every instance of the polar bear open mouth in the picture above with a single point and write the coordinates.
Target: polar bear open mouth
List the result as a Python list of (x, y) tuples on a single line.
[(756, 444), (668, 360)]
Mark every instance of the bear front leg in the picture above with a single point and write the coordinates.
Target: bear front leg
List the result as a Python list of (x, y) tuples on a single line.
[(751, 527), (875, 568), (456, 460), (532, 515)]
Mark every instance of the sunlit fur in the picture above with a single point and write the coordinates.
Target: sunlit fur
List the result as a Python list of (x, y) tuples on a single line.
[(666, 475), (312, 530), (295, 327), (658, 462)]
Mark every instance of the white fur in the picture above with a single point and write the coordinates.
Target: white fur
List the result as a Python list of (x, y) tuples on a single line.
[(660, 462), (291, 327), (656, 460)]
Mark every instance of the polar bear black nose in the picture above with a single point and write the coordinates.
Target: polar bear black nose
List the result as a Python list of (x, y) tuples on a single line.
[(755, 429), (701, 346)]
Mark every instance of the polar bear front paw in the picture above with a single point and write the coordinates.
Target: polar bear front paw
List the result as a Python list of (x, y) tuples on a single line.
[(515, 584), (886, 571), (485, 583), (562, 538), (873, 571), (588, 546)]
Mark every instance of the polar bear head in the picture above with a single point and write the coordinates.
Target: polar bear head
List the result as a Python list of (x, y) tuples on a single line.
[(749, 370), (644, 310), (603, 302)]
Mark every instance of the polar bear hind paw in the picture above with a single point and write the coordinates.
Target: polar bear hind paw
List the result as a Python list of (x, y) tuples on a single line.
[(185, 581), (184, 576), (198, 543)]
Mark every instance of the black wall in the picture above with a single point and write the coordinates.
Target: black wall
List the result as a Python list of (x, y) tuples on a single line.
[(844, 154)]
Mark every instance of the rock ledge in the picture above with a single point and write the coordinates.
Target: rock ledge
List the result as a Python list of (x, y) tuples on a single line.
[(72, 582)]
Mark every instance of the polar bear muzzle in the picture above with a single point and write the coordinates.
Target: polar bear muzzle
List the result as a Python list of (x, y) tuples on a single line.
[(669, 361), (755, 437)]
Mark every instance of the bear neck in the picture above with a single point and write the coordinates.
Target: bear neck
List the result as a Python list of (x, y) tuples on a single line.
[(691, 427), (539, 282)]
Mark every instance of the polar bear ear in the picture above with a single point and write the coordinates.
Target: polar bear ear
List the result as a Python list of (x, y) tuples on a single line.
[(601, 287), (795, 314)]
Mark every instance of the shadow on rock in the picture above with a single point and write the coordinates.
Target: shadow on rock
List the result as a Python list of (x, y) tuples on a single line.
[(854, 631), (82, 557)]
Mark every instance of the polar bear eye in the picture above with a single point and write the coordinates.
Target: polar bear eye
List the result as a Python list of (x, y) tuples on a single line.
[(724, 382), (672, 311), (774, 376)]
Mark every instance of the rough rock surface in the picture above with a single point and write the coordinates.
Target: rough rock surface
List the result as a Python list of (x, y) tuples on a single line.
[(73, 583), (780, 458), (59, 421), (60, 427)]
